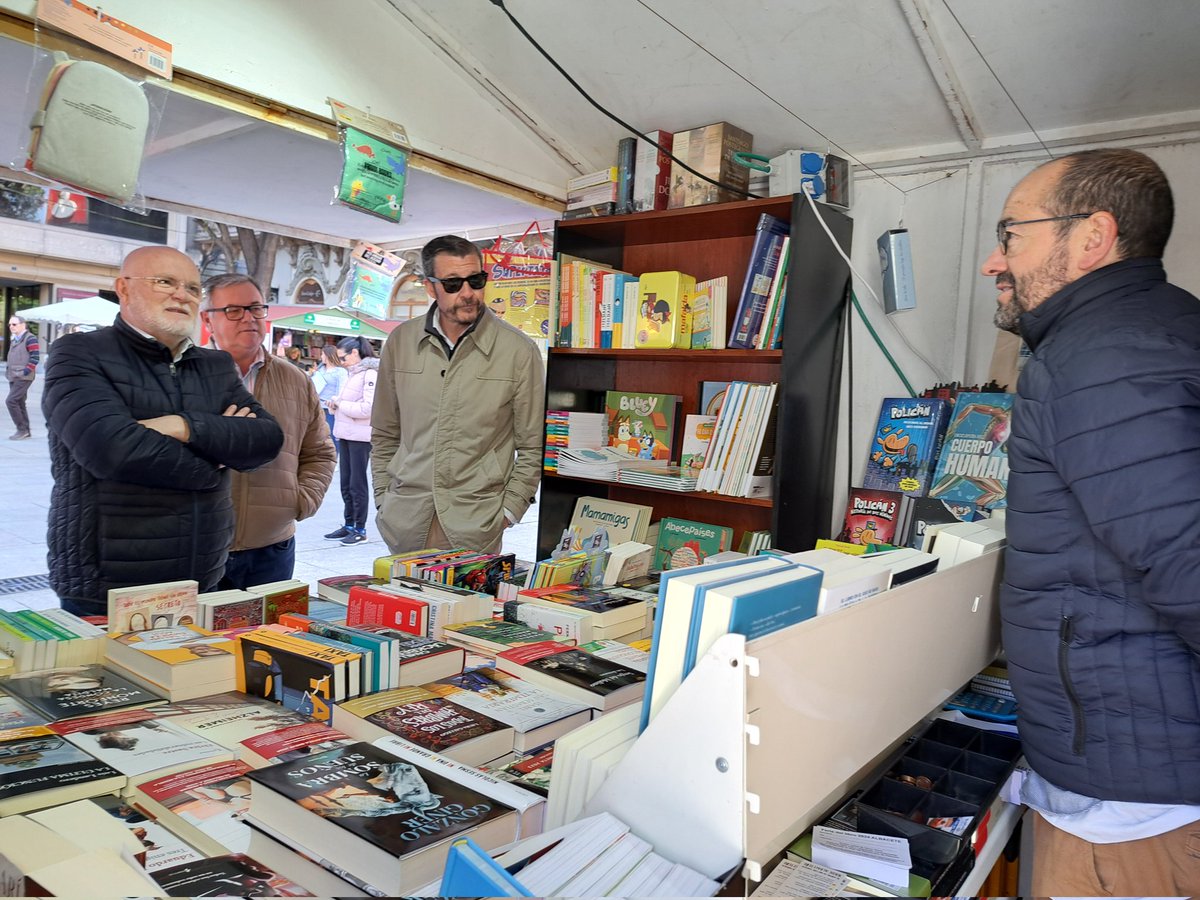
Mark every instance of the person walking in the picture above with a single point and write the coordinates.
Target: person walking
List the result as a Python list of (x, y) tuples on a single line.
[(352, 427), (21, 368), (329, 378)]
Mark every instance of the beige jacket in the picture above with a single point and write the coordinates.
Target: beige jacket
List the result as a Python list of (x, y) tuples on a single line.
[(268, 501), (458, 435)]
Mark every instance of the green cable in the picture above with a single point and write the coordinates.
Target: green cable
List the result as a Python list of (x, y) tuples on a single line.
[(879, 342)]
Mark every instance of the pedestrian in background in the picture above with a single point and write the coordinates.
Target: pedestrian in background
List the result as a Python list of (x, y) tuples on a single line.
[(329, 379), (352, 427), (21, 367)]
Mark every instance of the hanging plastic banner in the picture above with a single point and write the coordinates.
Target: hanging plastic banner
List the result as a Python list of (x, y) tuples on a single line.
[(518, 288), (373, 175), (370, 283)]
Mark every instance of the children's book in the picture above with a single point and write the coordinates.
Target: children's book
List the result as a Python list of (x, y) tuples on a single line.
[(643, 425), (682, 543), (873, 516), (973, 465), (623, 521), (906, 443), (697, 432), (664, 314), (712, 395)]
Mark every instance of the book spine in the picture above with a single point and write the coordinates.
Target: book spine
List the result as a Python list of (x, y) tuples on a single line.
[(764, 260), (626, 150)]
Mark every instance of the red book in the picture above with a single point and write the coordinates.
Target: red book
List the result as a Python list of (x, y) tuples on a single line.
[(377, 606), (873, 516)]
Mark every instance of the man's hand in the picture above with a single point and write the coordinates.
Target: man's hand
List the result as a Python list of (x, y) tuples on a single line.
[(240, 412), (172, 426)]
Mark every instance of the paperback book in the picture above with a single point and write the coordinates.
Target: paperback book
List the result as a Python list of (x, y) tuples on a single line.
[(973, 465), (39, 768), (905, 447), (874, 516), (152, 606), (682, 543), (77, 691), (600, 683), (385, 819)]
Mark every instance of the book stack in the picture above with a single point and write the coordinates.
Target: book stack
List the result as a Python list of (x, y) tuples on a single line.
[(740, 460), (576, 674), (220, 610), (600, 612), (592, 308), (600, 464), (487, 637), (279, 597), (49, 638), (994, 680), (179, 663), (583, 567), (593, 194), (459, 569), (598, 856), (572, 431), (299, 674), (665, 478), (417, 607), (336, 589)]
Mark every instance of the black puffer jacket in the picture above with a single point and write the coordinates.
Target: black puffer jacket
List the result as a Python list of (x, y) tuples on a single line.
[(132, 506), (1101, 595)]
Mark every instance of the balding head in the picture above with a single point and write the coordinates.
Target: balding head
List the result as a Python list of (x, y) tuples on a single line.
[(159, 290)]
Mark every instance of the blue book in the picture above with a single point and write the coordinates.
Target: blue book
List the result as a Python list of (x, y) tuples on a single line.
[(905, 447), (608, 339), (366, 667), (753, 605), (471, 872), (673, 622), (756, 290), (379, 646)]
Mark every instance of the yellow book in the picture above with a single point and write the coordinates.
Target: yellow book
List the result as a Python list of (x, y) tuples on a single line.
[(664, 317)]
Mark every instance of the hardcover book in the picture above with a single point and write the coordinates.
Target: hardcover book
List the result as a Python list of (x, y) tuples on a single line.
[(600, 683), (39, 768), (152, 606), (873, 516), (643, 425), (973, 465), (760, 275), (697, 432), (623, 521), (906, 443), (386, 820), (428, 720), (682, 543), (664, 313), (77, 691)]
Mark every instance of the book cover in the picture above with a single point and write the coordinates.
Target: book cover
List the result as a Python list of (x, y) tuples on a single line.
[(231, 875), (973, 465), (484, 574), (336, 589), (570, 666), (623, 521), (652, 171), (683, 543), (494, 633), (176, 646), (292, 598), (702, 316), (905, 447), (557, 622), (35, 759), (207, 803), (375, 606), (760, 275), (230, 609), (641, 424), (505, 698), (390, 804), (15, 714), (872, 516), (697, 432), (77, 691), (288, 676), (626, 154), (607, 605), (928, 511), (421, 717), (135, 743), (664, 314), (531, 772), (152, 606)]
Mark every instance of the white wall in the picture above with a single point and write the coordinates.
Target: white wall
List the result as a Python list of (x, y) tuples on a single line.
[(951, 211)]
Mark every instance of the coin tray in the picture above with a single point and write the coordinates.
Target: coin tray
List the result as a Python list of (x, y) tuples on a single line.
[(966, 767)]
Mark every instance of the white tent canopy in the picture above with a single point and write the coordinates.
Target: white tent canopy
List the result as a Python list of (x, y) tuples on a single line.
[(80, 311)]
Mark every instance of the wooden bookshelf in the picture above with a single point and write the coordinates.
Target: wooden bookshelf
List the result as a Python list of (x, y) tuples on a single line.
[(708, 241)]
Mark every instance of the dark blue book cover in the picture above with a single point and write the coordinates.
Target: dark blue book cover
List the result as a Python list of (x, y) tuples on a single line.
[(905, 446), (756, 290)]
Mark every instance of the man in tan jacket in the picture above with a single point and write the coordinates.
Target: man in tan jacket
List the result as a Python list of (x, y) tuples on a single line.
[(456, 429), (268, 501)]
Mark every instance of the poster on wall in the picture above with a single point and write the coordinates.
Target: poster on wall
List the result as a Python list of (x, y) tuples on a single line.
[(375, 271), (518, 288)]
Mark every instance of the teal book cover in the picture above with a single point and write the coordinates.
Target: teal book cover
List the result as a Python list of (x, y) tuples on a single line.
[(973, 466)]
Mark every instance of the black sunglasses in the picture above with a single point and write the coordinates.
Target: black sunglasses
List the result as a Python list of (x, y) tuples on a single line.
[(453, 284)]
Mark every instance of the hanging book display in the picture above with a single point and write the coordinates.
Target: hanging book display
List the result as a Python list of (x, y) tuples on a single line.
[(518, 287), (370, 283), (374, 162)]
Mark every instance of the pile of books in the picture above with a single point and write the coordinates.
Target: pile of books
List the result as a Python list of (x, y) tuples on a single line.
[(572, 431), (667, 478), (600, 463), (48, 638)]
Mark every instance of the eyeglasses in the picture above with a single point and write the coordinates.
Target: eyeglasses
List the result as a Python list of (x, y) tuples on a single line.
[(453, 283), (342, 357), (236, 313), (1003, 234), (165, 284)]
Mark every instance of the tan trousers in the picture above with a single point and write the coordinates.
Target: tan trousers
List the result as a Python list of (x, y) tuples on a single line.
[(437, 539), (1167, 865)]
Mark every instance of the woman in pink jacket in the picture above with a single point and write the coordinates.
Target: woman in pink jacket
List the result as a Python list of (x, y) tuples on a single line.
[(352, 427)]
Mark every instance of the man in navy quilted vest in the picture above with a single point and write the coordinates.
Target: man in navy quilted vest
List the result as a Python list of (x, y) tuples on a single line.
[(1101, 594), (144, 429)]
